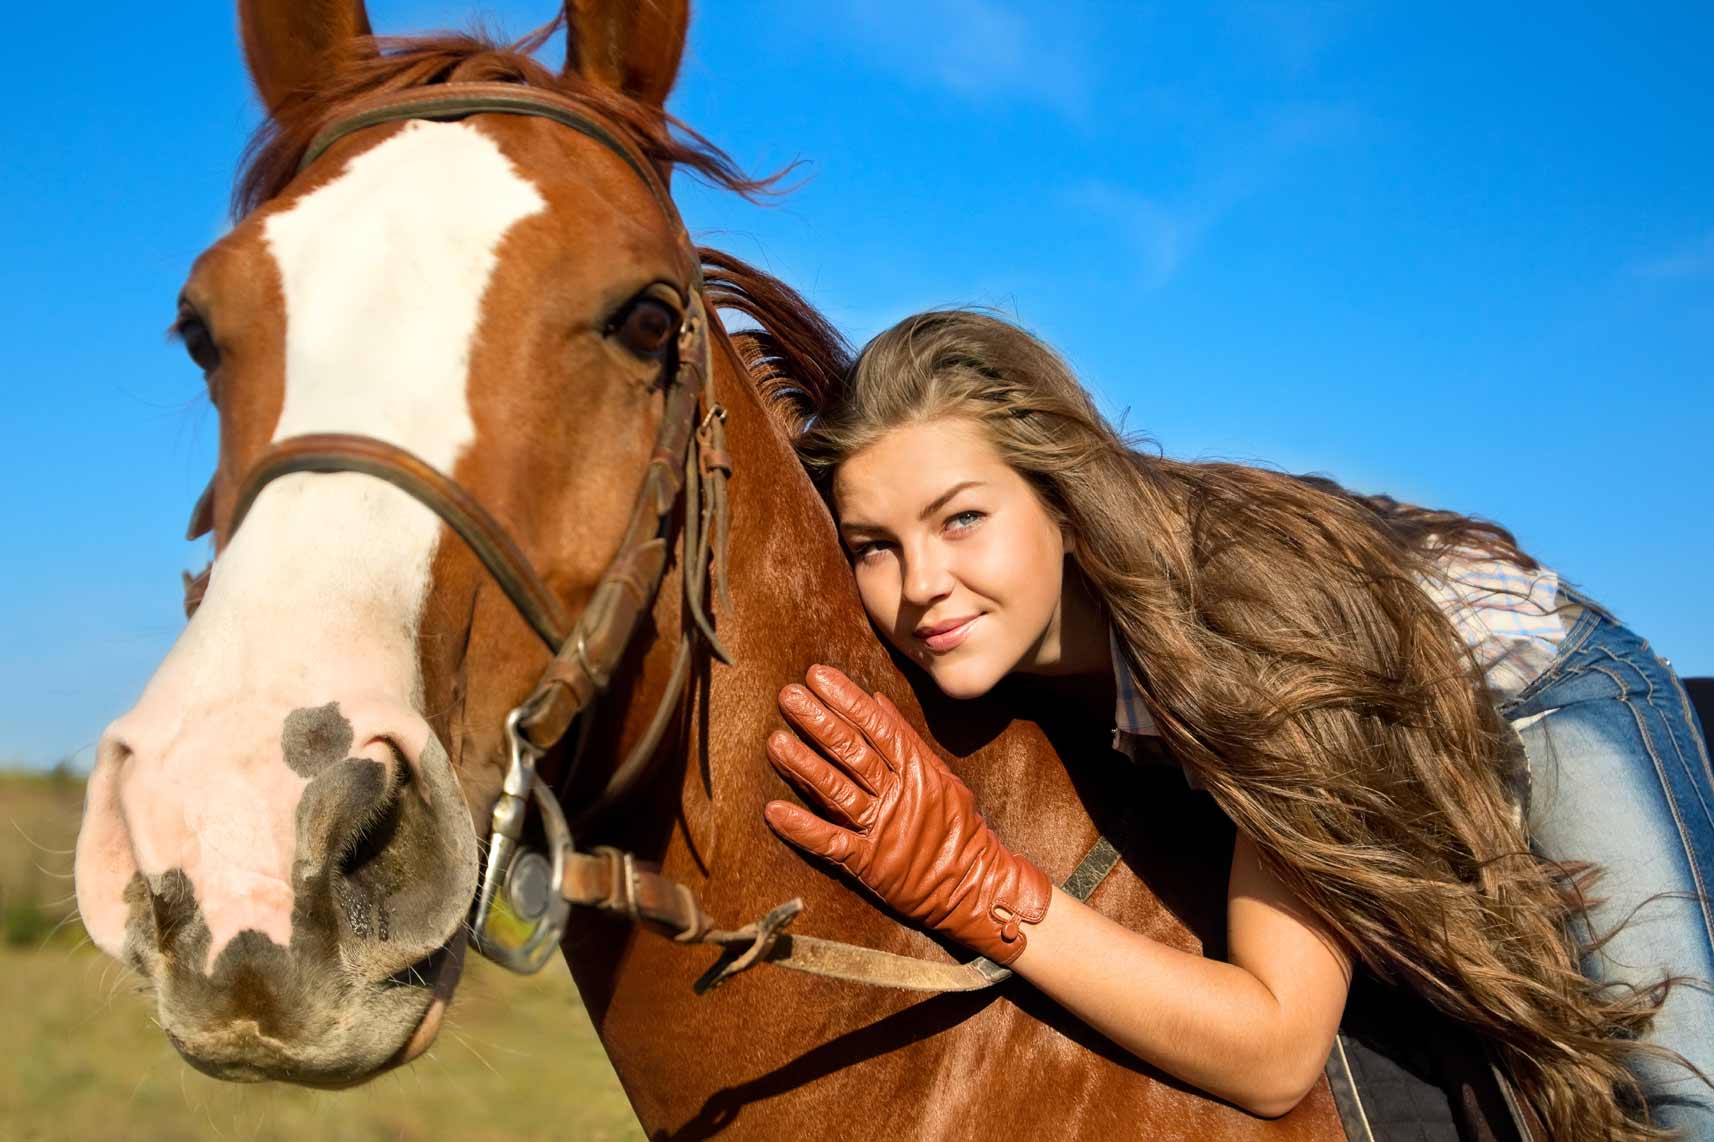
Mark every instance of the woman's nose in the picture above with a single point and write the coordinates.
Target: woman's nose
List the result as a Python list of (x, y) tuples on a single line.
[(927, 577)]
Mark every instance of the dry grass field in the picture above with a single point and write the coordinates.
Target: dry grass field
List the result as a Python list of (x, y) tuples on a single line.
[(81, 1058)]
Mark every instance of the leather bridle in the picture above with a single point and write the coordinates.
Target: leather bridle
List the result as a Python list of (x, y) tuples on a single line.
[(524, 898), (688, 461)]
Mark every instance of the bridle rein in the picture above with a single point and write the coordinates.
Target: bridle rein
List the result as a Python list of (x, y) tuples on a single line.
[(523, 901)]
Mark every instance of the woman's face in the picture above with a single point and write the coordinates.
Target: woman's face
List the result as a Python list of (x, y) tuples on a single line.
[(956, 560)]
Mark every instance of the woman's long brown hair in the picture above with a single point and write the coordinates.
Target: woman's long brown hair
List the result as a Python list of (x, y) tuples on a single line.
[(1295, 666)]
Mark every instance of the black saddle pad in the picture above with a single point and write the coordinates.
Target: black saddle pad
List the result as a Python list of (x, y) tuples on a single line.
[(1701, 691), (1402, 1072)]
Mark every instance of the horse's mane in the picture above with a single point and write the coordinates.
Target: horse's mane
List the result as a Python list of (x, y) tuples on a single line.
[(795, 355), (795, 351)]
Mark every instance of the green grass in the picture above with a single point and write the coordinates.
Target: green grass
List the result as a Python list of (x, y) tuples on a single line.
[(81, 1058), (39, 814)]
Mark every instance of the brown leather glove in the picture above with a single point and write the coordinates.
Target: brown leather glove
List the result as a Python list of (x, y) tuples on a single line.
[(902, 822)]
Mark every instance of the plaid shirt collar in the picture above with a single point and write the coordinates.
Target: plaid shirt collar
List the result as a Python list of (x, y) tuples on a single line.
[(1130, 716)]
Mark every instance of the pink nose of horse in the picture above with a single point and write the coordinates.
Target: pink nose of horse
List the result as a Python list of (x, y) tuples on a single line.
[(248, 832), (268, 891)]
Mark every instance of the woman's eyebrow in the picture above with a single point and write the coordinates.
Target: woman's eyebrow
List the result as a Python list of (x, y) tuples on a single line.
[(851, 525), (940, 500)]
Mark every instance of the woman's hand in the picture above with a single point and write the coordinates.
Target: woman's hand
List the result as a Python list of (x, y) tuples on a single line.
[(901, 822)]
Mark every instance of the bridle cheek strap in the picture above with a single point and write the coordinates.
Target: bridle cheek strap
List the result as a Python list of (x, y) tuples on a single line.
[(587, 658)]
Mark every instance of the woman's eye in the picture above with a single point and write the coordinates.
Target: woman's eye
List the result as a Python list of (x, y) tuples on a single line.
[(861, 552), (964, 521), (647, 328), (198, 341)]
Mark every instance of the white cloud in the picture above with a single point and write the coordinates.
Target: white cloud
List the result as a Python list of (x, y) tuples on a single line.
[(1295, 35), (1164, 232), (1302, 125), (1160, 234), (1692, 259), (980, 50)]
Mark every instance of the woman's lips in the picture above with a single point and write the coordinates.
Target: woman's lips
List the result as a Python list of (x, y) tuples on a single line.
[(946, 638)]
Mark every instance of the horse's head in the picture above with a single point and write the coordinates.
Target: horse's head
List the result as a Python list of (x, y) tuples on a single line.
[(282, 834)]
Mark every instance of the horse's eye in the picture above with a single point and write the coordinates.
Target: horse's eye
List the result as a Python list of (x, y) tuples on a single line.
[(198, 341), (647, 328)]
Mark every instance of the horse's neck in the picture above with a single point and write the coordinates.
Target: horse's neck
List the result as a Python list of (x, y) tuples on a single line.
[(790, 582), (794, 601)]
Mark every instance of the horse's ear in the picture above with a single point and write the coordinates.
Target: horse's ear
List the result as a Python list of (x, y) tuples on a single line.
[(292, 45), (632, 46)]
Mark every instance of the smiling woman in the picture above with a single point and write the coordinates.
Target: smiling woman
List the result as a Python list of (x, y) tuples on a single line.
[(1337, 672), (932, 503)]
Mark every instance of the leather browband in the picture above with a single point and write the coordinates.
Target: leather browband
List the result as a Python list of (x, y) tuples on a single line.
[(454, 101)]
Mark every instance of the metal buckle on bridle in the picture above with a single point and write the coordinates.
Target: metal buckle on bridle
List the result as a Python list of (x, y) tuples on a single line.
[(521, 910), (688, 330)]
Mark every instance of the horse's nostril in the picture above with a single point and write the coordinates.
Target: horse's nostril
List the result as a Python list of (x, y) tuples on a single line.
[(348, 814), (172, 902), (370, 850), (371, 836)]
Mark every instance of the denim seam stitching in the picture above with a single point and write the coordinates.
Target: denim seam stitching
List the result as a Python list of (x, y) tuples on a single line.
[(1561, 667), (1671, 802), (1692, 723), (1647, 675)]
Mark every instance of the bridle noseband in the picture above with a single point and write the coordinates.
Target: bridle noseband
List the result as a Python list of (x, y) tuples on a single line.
[(520, 912)]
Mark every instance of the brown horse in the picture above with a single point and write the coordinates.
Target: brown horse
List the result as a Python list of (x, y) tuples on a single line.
[(282, 835)]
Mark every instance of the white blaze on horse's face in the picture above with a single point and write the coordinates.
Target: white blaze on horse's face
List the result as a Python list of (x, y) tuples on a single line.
[(300, 669)]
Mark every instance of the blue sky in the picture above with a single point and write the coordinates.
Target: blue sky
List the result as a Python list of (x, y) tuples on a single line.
[(1463, 255)]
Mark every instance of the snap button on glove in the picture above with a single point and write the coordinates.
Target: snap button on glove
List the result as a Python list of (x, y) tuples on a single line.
[(898, 819)]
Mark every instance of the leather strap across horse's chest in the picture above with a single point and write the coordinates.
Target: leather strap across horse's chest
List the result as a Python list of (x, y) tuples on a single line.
[(615, 881)]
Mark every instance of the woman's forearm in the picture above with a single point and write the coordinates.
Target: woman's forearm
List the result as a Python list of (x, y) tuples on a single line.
[(1213, 1024)]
